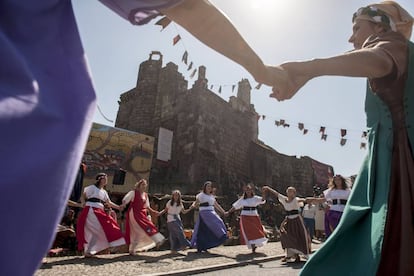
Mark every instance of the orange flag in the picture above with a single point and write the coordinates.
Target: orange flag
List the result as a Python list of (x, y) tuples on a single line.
[(163, 22), (176, 39)]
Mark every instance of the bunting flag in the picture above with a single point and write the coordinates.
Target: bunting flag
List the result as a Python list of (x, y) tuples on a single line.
[(286, 125), (176, 39), (163, 22), (264, 117), (322, 130), (232, 87), (364, 134), (300, 126), (282, 122), (258, 86), (185, 57), (211, 87), (190, 66), (343, 141), (363, 145), (324, 137), (219, 89), (277, 123), (343, 132), (193, 73), (305, 131)]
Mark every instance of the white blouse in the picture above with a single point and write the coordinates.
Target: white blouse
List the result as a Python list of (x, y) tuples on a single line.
[(202, 197), (331, 194), (173, 211), (289, 206), (248, 202), (92, 191)]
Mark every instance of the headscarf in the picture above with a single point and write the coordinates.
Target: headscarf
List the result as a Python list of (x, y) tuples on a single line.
[(389, 13)]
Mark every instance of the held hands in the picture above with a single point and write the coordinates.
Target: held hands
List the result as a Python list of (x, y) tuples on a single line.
[(288, 78)]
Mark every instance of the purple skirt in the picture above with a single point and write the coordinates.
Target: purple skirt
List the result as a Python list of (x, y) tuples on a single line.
[(209, 231), (332, 219)]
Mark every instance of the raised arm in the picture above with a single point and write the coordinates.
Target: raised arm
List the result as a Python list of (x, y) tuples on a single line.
[(208, 24), (368, 63), (271, 190)]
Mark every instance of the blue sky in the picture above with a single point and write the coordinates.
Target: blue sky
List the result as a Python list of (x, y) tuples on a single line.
[(279, 31)]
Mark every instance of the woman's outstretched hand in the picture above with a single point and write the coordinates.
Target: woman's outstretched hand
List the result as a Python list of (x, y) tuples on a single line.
[(290, 81)]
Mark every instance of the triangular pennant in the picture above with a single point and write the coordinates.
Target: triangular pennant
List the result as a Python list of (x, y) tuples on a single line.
[(277, 123), (190, 66), (322, 129), (305, 131), (343, 141), (219, 89), (258, 86), (193, 73), (264, 117), (211, 87), (324, 137), (343, 132), (163, 22), (282, 122), (300, 126), (176, 39), (185, 57), (232, 87), (363, 145)]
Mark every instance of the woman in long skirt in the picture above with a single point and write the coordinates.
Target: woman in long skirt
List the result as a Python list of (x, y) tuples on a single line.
[(209, 230), (252, 232), (140, 233), (173, 208), (335, 198), (96, 230), (293, 234)]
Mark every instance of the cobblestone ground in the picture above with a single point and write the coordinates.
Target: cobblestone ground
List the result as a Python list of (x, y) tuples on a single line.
[(157, 262)]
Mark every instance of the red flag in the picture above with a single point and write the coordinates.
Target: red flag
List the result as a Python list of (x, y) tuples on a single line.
[(343, 132), (163, 22), (322, 129), (343, 141), (176, 39), (300, 126)]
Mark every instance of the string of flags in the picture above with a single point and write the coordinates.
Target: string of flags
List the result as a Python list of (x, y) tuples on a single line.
[(165, 21), (323, 131)]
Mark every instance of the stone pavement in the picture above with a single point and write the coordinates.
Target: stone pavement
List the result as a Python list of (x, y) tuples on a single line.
[(161, 262)]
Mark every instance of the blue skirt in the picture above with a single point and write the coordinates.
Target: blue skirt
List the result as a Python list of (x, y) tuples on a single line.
[(209, 231)]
